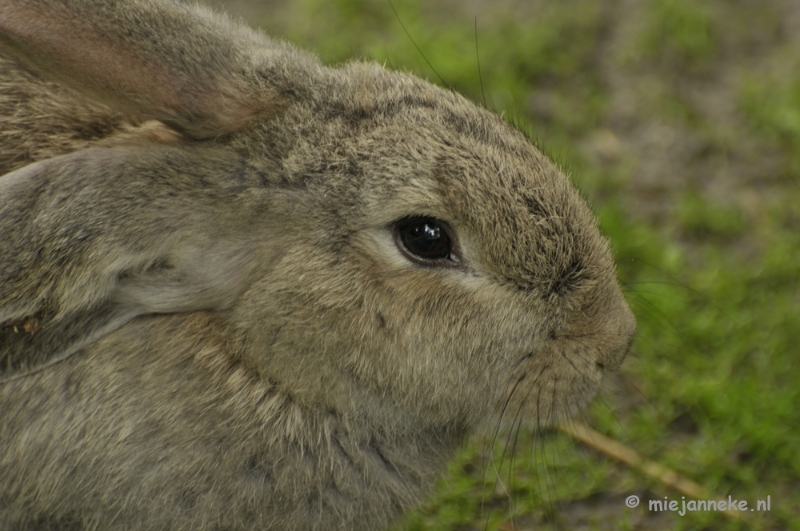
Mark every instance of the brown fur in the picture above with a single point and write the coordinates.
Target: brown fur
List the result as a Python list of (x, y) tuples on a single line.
[(205, 322)]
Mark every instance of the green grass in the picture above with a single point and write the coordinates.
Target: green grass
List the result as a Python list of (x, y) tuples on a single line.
[(681, 31), (772, 105), (711, 387)]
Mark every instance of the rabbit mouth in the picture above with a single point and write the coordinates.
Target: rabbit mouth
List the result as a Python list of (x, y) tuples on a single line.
[(551, 385)]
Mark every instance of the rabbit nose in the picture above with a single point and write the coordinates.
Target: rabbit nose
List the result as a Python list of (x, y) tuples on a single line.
[(619, 332), (608, 330)]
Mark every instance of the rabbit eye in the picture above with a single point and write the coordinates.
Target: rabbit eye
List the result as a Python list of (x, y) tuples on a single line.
[(426, 241)]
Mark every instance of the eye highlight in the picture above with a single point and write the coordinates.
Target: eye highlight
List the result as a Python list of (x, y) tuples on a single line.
[(426, 241)]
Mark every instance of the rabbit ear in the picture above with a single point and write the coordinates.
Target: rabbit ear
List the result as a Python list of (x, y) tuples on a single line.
[(98, 237), (193, 69)]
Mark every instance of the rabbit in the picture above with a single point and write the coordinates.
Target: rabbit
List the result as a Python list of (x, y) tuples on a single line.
[(241, 290)]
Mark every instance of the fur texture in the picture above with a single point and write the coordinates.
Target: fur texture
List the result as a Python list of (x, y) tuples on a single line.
[(206, 318)]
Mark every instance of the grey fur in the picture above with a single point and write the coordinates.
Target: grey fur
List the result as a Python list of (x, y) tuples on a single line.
[(205, 322)]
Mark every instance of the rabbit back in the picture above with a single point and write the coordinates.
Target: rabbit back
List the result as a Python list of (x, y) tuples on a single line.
[(41, 119)]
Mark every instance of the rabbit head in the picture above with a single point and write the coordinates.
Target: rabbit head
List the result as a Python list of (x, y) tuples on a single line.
[(378, 251), (516, 297)]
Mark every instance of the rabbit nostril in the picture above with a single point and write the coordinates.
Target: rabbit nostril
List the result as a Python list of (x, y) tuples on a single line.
[(553, 335)]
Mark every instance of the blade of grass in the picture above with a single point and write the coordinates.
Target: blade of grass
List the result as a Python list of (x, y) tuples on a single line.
[(630, 457)]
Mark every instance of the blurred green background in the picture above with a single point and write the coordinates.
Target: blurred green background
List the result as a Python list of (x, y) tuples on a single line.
[(680, 122)]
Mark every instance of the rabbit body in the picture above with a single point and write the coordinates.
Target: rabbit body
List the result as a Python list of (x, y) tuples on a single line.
[(209, 316)]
